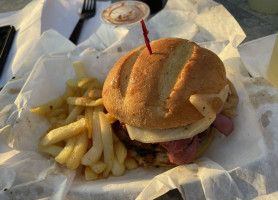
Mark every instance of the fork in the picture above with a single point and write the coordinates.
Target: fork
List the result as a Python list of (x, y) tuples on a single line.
[(88, 11)]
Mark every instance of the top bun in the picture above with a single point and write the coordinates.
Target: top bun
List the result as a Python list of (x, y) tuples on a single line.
[(152, 91)]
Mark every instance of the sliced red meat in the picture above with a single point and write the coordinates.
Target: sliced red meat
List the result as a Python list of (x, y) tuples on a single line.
[(183, 151), (223, 124)]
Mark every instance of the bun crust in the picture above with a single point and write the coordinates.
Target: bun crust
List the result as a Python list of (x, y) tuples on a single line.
[(153, 91)]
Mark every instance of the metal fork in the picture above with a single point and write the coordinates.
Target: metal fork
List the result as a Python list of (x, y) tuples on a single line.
[(88, 11)]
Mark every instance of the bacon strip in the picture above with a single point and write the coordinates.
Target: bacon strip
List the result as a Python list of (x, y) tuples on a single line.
[(223, 124), (183, 151)]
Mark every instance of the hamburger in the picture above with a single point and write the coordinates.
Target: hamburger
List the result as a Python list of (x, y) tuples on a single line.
[(168, 103)]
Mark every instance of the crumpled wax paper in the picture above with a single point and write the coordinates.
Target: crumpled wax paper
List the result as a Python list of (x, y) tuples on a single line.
[(21, 43), (241, 166), (256, 55), (37, 17)]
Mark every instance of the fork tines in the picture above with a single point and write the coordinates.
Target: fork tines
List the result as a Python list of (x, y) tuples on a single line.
[(89, 5)]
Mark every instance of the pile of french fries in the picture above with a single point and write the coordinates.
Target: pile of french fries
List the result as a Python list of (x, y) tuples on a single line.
[(80, 133)]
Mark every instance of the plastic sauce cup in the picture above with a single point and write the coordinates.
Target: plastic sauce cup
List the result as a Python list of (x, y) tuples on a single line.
[(125, 13)]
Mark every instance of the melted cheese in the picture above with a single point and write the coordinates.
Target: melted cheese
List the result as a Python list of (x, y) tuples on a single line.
[(200, 101)]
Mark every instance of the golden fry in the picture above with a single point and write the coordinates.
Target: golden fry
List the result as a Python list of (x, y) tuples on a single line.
[(130, 163), (55, 123), (79, 70), (107, 140), (84, 101), (57, 112), (99, 108), (89, 83), (69, 92), (56, 119), (110, 118), (72, 83), (98, 167), (90, 175), (49, 106), (86, 81), (79, 150), (95, 93), (64, 132), (52, 105), (78, 123), (53, 150), (120, 151), (67, 150), (77, 110), (62, 116), (95, 151), (117, 169), (89, 112)]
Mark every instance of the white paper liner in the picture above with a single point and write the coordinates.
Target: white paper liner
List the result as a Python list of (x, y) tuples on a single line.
[(241, 166)]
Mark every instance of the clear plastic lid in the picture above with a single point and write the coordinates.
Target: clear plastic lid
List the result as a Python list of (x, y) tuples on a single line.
[(125, 12)]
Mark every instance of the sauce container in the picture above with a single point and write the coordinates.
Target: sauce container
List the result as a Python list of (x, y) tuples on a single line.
[(125, 13)]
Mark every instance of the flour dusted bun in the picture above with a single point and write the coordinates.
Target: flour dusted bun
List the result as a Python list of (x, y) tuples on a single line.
[(152, 91)]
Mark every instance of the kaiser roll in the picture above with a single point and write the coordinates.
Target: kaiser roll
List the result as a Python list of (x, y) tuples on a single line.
[(152, 91)]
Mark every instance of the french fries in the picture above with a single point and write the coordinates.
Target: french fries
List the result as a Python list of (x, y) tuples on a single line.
[(80, 133), (120, 152), (48, 107), (73, 114), (53, 150), (84, 101), (106, 134), (86, 83), (57, 112), (79, 150), (110, 118), (96, 150), (80, 70), (67, 150), (90, 175), (64, 132), (117, 169), (95, 94), (72, 83), (89, 112), (98, 167), (130, 163)]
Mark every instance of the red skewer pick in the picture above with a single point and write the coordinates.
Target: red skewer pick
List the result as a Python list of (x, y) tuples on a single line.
[(145, 33)]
